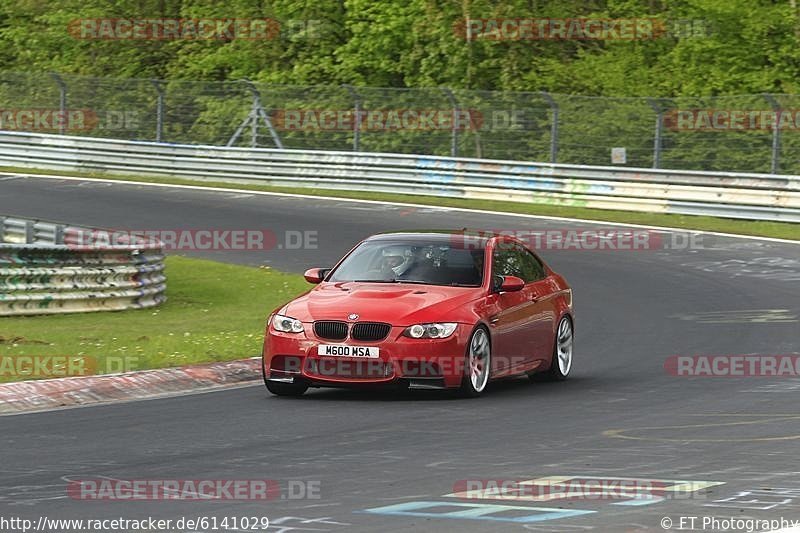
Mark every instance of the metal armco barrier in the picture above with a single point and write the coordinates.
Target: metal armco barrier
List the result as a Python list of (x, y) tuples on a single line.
[(720, 194), (45, 269)]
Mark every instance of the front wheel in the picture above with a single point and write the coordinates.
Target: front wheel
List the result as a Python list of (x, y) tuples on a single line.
[(286, 389), (562, 351), (283, 389), (478, 364)]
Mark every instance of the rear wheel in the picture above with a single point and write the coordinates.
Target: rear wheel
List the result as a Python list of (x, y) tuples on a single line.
[(562, 351), (478, 364)]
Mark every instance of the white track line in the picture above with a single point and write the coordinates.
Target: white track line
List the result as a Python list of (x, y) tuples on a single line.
[(403, 204)]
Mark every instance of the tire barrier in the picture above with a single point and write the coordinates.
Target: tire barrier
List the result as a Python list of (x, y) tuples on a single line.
[(44, 271)]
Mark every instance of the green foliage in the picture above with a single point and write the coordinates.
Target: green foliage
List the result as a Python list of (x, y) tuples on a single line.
[(723, 46)]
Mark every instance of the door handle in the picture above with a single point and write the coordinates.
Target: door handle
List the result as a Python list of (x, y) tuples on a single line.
[(494, 320)]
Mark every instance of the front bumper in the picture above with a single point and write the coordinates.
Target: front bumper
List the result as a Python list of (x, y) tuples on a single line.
[(418, 363)]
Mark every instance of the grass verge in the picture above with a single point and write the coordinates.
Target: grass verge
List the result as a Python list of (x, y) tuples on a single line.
[(214, 312), (782, 230)]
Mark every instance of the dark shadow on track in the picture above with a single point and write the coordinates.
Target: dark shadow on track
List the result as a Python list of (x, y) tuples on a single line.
[(517, 386)]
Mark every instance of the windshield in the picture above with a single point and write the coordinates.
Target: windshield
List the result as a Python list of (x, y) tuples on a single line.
[(411, 262)]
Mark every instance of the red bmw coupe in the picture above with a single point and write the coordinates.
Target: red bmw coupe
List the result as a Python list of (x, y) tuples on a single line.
[(423, 310)]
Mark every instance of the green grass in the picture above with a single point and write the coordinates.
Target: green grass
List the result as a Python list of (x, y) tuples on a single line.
[(783, 230), (214, 312)]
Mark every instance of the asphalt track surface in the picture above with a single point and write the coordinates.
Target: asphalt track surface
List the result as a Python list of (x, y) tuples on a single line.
[(620, 415)]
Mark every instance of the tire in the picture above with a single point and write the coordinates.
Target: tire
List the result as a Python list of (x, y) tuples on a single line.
[(561, 363), (478, 363), (283, 389), (286, 389)]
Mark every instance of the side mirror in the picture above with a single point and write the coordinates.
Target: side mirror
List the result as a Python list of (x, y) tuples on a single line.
[(511, 284), (315, 275)]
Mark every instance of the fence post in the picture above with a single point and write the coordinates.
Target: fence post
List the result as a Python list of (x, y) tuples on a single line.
[(659, 110), (254, 123), (159, 110), (357, 117), (454, 128), (260, 113), (58, 234), (62, 101), (256, 112), (776, 133), (30, 232), (553, 126)]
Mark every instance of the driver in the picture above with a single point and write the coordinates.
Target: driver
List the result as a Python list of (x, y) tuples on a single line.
[(395, 261)]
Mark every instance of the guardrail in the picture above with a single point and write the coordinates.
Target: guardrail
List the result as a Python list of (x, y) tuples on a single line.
[(720, 194), (46, 268)]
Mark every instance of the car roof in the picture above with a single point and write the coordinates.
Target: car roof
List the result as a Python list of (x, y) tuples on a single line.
[(444, 236)]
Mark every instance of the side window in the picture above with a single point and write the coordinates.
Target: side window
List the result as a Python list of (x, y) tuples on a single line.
[(532, 268), (506, 262)]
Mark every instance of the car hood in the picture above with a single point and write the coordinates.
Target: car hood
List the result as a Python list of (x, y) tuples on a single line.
[(396, 304)]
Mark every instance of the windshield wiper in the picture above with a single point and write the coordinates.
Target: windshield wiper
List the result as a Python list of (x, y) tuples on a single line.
[(417, 281), (411, 281)]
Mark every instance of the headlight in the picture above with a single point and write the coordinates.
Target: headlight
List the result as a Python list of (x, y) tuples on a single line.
[(287, 324), (439, 330)]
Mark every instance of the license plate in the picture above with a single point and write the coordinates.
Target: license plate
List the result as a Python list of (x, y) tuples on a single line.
[(343, 350)]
